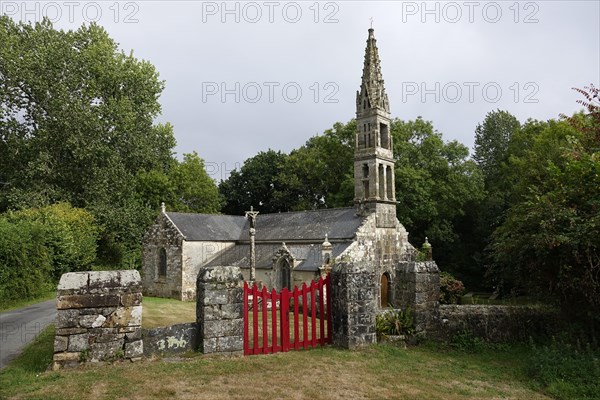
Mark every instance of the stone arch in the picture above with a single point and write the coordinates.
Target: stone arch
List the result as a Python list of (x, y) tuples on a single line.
[(283, 266)]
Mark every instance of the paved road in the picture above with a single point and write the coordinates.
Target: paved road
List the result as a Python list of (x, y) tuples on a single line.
[(19, 327)]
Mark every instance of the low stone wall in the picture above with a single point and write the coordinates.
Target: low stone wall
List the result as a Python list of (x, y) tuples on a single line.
[(170, 340), (99, 317), (219, 310), (494, 323)]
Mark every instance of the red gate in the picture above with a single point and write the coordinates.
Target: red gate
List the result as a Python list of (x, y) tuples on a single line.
[(275, 322)]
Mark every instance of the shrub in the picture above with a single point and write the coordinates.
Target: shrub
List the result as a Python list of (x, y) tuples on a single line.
[(70, 235), (395, 322), (25, 262), (451, 289)]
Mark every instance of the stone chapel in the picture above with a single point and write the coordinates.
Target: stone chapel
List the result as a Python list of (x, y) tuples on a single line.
[(290, 248)]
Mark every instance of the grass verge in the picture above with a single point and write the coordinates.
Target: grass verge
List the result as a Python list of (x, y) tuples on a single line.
[(13, 304)]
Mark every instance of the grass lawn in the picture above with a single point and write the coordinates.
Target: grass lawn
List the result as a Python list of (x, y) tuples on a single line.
[(166, 312), (377, 372)]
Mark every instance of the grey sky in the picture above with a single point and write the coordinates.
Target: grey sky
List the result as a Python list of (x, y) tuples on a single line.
[(444, 61)]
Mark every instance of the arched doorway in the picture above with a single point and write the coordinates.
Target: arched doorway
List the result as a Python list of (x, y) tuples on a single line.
[(385, 290)]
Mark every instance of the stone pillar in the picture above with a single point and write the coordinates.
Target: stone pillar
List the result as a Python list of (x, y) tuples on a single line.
[(99, 317), (418, 287), (219, 310), (354, 304)]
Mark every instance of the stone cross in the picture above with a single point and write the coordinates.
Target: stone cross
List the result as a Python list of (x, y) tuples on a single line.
[(251, 215)]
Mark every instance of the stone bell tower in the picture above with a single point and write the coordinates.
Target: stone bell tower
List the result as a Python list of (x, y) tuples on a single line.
[(374, 183)]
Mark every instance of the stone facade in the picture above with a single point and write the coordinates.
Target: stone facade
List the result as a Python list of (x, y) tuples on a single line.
[(219, 313), (163, 240), (99, 317), (354, 304)]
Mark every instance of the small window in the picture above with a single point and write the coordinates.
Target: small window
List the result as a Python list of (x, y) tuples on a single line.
[(365, 170), (162, 263), (385, 291)]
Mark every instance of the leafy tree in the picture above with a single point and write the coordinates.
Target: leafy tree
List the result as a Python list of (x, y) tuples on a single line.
[(193, 189), (549, 244), (320, 173), (76, 124), (254, 185), (436, 184)]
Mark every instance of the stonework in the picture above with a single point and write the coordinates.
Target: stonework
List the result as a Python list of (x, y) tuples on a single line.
[(99, 317), (219, 310), (163, 236), (496, 323), (170, 340), (418, 287), (354, 304)]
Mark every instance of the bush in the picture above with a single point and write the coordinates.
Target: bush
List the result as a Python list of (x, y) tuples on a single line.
[(451, 289), (25, 262), (395, 322), (70, 235), (566, 371)]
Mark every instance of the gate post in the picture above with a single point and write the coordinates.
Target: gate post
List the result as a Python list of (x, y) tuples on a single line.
[(354, 304), (219, 310)]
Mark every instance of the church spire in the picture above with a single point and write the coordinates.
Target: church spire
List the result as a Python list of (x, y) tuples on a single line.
[(372, 89), (374, 182)]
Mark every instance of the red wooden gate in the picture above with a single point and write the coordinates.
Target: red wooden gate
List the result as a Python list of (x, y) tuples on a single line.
[(275, 322)]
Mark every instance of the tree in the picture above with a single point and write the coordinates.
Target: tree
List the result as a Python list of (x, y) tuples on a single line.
[(254, 185), (436, 184), (549, 245), (76, 124), (193, 189), (319, 174)]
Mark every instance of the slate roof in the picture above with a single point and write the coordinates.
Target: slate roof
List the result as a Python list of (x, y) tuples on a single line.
[(299, 226), (208, 227), (337, 223)]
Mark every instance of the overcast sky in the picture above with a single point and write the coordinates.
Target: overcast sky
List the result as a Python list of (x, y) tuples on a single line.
[(242, 77)]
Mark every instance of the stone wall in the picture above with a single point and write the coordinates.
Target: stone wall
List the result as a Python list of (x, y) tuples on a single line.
[(219, 313), (495, 323), (354, 304), (170, 340), (99, 317), (418, 287), (162, 235)]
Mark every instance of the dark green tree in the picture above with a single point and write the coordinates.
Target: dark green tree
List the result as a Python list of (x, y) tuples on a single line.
[(549, 245), (436, 184), (254, 185)]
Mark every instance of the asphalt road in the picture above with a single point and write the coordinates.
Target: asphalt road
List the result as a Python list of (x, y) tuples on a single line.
[(19, 327)]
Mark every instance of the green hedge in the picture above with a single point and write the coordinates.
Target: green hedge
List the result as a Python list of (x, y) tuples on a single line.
[(38, 245)]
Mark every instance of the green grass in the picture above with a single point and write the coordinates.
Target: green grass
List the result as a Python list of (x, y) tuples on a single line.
[(430, 371), (7, 305), (157, 312)]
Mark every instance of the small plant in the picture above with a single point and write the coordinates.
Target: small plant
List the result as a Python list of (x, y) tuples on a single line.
[(84, 355), (395, 322), (467, 342), (451, 289)]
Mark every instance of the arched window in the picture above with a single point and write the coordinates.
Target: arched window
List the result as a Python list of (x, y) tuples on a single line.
[(286, 274), (162, 262), (385, 290)]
